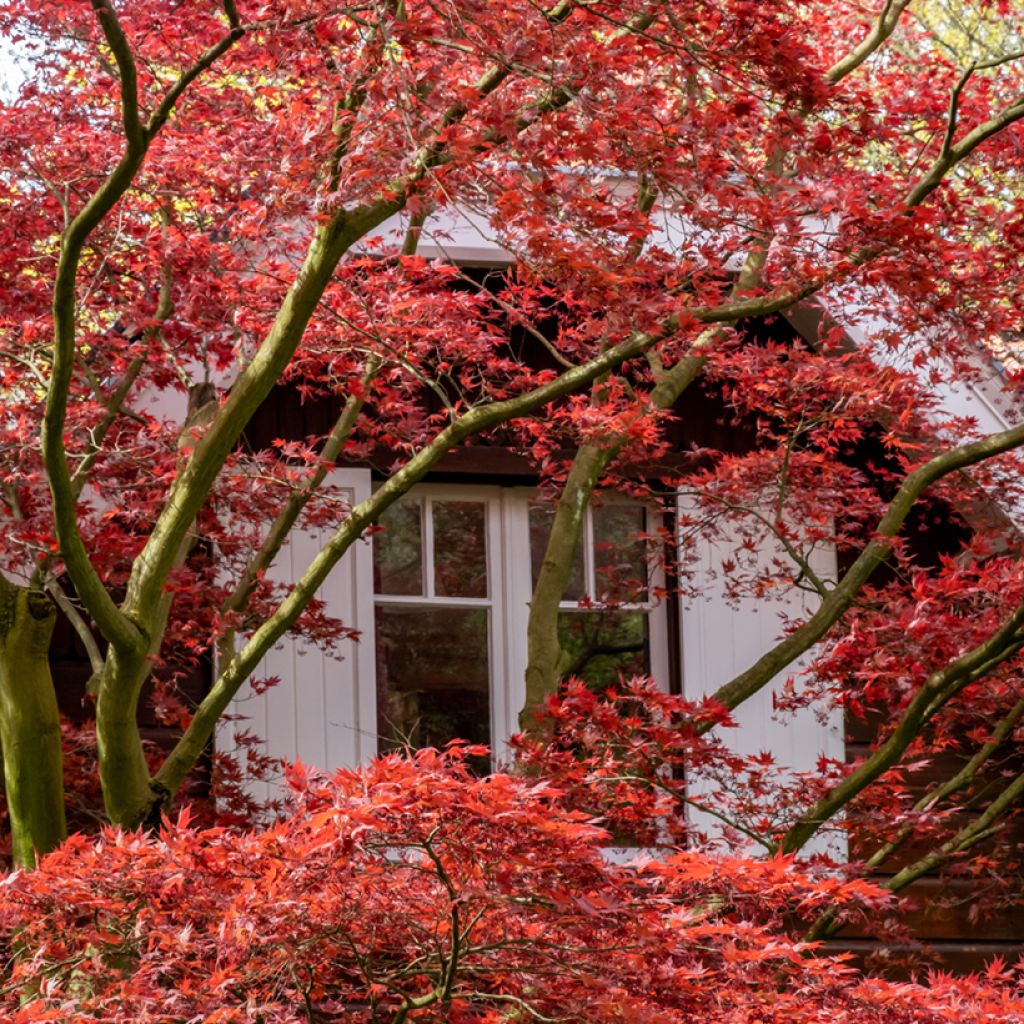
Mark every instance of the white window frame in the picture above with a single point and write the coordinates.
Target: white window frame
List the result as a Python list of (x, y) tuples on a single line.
[(510, 587), (497, 640)]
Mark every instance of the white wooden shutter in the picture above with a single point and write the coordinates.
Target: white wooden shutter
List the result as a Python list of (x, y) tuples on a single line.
[(722, 637), (323, 710)]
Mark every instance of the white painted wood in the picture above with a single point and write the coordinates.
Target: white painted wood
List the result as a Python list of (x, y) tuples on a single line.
[(323, 711), (722, 637), (516, 611)]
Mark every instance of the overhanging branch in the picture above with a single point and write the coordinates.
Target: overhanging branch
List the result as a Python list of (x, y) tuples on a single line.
[(877, 551), (118, 628), (934, 694)]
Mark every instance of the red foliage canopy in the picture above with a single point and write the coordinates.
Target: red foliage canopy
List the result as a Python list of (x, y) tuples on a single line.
[(413, 890)]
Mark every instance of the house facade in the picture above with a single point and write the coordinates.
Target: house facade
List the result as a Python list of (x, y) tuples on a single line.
[(438, 599), (440, 596)]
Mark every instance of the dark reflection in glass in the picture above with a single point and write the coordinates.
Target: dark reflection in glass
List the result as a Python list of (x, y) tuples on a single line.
[(540, 529), (432, 676), (620, 558), (605, 645), (398, 550), (460, 549)]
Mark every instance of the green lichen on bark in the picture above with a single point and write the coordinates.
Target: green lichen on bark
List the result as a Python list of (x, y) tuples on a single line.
[(30, 734)]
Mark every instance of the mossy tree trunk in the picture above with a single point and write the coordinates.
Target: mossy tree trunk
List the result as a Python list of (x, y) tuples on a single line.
[(30, 724)]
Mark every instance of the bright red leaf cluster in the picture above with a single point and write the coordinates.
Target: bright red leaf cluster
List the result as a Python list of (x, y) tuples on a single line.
[(413, 891)]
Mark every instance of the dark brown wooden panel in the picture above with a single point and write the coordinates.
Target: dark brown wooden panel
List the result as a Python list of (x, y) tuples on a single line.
[(901, 961), (943, 910)]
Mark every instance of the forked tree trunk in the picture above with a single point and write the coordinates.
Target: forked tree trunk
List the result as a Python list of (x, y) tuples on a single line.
[(30, 724)]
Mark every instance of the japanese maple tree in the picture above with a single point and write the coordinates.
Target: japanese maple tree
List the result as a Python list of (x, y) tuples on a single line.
[(210, 199), (412, 890)]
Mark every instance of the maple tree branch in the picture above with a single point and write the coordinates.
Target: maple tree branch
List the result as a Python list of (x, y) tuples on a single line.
[(114, 405), (984, 826), (514, 1001), (166, 106), (882, 29), (192, 484), (964, 777), (126, 69), (346, 111), (80, 626), (115, 402), (687, 369), (775, 529), (546, 662), (435, 154), (877, 551), (297, 501), (953, 153), (515, 318), (412, 234), (118, 628), (704, 808), (828, 923), (790, 295), (977, 831), (953, 116), (937, 690), (448, 965), (331, 240)]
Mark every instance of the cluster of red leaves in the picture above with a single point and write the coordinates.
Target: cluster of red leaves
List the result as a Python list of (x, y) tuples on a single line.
[(645, 761), (646, 764), (412, 890)]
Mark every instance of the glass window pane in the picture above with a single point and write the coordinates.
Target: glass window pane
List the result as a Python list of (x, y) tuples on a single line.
[(432, 676), (398, 550), (605, 645), (541, 517), (620, 557), (460, 548)]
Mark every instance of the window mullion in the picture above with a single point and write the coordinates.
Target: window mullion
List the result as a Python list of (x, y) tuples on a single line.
[(587, 540), (429, 602), (428, 548)]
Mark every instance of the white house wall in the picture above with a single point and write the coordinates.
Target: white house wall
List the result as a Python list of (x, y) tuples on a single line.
[(722, 637), (323, 711)]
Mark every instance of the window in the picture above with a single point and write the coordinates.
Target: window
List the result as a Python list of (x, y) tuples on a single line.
[(454, 569), (435, 582)]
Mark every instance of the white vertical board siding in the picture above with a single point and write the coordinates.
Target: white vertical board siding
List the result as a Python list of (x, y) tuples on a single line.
[(323, 710), (722, 637)]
